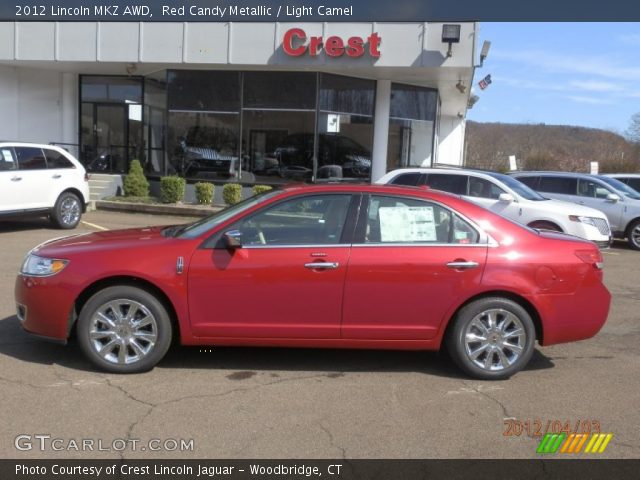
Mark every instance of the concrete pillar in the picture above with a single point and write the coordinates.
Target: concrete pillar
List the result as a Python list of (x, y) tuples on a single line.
[(69, 111), (381, 130)]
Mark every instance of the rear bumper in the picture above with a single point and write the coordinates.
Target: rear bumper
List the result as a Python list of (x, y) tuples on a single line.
[(577, 316)]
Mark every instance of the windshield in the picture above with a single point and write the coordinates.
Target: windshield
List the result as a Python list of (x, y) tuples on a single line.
[(621, 187), (196, 229), (517, 186)]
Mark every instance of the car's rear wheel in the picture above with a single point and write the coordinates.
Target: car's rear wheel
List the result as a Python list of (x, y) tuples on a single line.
[(492, 338), (67, 211), (542, 225), (124, 329), (633, 235)]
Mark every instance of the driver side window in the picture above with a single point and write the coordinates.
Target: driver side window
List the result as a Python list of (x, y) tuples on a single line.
[(312, 220)]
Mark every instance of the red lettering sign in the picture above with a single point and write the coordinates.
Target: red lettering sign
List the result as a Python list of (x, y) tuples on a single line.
[(294, 44)]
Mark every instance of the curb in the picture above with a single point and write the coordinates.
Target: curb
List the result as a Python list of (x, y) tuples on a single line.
[(154, 209)]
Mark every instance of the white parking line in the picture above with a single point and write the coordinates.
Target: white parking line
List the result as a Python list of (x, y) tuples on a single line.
[(93, 225), (611, 253)]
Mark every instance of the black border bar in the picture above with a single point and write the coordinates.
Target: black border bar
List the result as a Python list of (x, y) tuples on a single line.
[(354, 10), (335, 469)]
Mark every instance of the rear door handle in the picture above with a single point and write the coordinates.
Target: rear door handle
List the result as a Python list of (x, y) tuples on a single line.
[(57, 175), (16, 179), (462, 265), (322, 265)]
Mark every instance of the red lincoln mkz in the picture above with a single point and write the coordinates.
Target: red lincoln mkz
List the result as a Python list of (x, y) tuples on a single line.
[(338, 266)]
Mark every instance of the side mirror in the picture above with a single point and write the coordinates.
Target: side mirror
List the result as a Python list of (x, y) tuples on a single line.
[(233, 239), (613, 198), (506, 198)]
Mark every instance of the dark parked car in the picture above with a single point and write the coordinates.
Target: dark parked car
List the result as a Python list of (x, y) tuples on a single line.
[(338, 157)]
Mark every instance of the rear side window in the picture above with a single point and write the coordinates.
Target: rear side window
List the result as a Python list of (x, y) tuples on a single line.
[(531, 182), (411, 179), (407, 220), (7, 159), (57, 159), (564, 185), (448, 183), (633, 183), (30, 158)]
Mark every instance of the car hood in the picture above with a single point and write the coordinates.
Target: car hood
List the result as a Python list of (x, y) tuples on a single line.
[(570, 208), (110, 239)]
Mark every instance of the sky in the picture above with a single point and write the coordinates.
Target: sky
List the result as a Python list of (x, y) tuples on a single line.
[(585, 74)]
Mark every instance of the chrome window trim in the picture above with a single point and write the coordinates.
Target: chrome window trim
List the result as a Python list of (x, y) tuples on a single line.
[(311, 245), (423, 244)]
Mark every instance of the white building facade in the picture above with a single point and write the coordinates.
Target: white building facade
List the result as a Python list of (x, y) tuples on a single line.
[(265, 102)]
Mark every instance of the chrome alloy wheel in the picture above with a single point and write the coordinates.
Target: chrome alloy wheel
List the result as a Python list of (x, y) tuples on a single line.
[(494, 339), (635, 235), (123, 331), (70, 210)]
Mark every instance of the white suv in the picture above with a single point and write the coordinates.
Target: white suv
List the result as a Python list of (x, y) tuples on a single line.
[(40, 179), (508, 197)]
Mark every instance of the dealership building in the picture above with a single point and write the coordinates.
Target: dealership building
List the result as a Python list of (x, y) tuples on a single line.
[(265, 102)]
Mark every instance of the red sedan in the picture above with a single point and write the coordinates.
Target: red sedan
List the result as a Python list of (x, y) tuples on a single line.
[(337, 266)]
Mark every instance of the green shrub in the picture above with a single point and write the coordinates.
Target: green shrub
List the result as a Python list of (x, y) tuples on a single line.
[(136, 184), (172, 189), (204, 193), (232, 193), (257, 189)]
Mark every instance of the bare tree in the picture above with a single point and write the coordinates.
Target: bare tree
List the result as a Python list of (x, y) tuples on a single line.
[(633, 131)]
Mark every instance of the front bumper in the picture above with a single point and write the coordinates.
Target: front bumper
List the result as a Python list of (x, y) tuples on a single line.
[(45, 307)]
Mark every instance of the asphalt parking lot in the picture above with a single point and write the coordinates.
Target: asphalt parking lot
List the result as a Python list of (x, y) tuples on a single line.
[(285, 403)]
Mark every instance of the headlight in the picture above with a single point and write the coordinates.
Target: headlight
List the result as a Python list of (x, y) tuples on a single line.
[(41, 267), (587, 220)]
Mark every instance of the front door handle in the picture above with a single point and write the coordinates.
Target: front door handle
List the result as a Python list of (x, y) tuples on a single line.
[(322, 265), (16, 179), (57, 175), (462, 265)]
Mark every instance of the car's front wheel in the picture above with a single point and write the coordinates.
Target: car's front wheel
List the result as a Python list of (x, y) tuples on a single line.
[(633, 235), (67, 211), (492, 338), (124, 329)]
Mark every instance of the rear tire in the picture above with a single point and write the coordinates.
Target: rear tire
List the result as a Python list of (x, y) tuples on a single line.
[(491, 338), (542, 225), (67, 211), (633, 235), (124, 329)]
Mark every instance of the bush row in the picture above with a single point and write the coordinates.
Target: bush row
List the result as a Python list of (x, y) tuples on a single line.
[(172, 188)]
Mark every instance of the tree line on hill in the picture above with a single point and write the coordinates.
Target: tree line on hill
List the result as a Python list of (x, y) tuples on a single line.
[(552, 147)]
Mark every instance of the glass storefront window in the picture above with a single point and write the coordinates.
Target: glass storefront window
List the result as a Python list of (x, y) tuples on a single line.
[(203, 91), (95, 88), (281, 90), (277, 145), (345, 127), (411, 123), (202, 145)]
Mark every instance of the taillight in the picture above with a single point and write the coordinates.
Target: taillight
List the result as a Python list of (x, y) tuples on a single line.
[(592, 257)]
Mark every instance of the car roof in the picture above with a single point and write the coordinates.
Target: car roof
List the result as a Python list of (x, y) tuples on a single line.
[(555, 174), (622, 175), (447, 170), (405, 190)]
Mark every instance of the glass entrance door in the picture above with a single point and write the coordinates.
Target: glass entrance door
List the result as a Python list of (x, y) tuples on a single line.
[(104, 137)]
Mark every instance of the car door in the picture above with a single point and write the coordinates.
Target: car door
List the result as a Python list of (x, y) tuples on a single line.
[(33, 178), (10, 196), (61, 173), (411, 261), (594, 194), (287, 279)]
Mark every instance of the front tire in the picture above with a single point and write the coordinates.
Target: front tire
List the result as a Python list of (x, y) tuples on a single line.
[(491, 338), (124, 329), (633, 235), (67, 211)]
